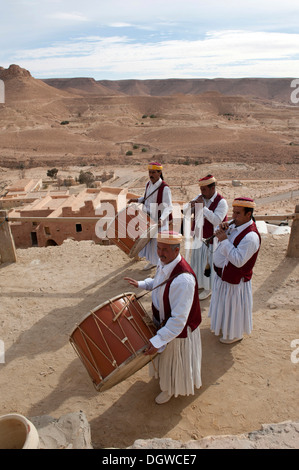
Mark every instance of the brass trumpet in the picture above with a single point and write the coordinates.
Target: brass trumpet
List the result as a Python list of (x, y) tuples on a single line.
[(206, 241)]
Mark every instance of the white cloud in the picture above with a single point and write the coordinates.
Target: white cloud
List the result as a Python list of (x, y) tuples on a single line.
[(75, 16), (220, 53), (156, 39), (119, 25)]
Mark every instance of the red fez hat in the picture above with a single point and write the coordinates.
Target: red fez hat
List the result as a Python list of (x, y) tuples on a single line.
[(169, 237), (244, 202), (207, 180)]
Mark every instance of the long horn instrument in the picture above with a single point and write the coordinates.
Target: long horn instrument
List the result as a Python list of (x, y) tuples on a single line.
[(206, 241)]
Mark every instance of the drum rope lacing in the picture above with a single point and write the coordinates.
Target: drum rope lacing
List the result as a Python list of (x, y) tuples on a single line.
[(100, 323)]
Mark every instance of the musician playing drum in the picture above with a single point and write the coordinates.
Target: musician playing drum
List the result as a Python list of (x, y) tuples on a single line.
[(157, 202), (177, 314), (234, 259)]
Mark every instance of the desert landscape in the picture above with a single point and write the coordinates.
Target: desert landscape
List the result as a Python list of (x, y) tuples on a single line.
[(82, 121), (246, 131)]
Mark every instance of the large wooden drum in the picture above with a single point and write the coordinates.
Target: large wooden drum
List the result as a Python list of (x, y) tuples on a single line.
[(131, 230), (111, 339)]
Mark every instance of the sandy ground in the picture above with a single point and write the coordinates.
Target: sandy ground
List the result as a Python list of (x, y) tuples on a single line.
[(245, 385)]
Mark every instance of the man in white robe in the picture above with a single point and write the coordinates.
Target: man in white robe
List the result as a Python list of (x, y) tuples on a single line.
[(214, 211), (157, 202), (234, 258), (176, 309)]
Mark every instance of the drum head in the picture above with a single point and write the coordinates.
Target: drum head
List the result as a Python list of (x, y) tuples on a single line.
[(124, 371), (143, 240), (131, 230)]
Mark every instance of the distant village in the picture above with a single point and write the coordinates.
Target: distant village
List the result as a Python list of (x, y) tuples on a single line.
[(52, 199)]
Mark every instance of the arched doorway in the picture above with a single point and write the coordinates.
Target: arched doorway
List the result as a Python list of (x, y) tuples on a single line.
[(51, 243)]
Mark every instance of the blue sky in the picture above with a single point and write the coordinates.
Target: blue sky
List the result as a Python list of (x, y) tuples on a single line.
[(151, 39)]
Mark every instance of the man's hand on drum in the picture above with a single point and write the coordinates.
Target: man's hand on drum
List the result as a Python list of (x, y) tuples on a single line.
[(151, 350), (131, 281)]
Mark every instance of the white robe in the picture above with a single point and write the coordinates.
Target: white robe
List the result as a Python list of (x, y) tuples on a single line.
[(231, 304), (150, 206), (178, 363), (201, 255)]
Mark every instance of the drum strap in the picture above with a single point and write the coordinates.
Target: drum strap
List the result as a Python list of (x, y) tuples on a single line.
[(145, 198), (159, 285)]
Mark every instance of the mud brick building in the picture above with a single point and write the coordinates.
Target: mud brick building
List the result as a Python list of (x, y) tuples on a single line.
[(88, 203), (22, 192)]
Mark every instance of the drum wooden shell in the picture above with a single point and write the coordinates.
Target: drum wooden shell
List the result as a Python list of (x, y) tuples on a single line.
[(110, 340), (131, 230)]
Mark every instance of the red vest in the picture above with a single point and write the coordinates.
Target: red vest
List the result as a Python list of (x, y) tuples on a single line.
[(231, 273), (160, 197), (194, 318), (208, 228)]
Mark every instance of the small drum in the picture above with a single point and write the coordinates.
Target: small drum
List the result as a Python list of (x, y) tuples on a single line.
[(131, 230), (111, 339)]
